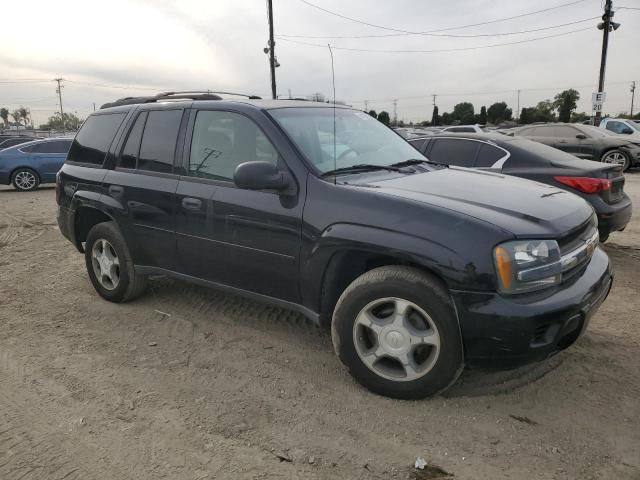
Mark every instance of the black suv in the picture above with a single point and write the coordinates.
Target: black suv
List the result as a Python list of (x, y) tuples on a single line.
[(419, 269)]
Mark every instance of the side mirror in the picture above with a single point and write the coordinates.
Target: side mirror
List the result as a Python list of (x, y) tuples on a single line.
[(627, 131), (262, 176), (581, 136)]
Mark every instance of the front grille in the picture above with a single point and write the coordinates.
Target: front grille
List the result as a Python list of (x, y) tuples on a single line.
[(578, 236)]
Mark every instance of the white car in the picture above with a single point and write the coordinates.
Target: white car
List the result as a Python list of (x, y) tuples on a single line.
[(621, 126), (464, 129)]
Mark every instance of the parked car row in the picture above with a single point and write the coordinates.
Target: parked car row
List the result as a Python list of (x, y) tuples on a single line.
[(31, 163), (419, 269), (601, 184)]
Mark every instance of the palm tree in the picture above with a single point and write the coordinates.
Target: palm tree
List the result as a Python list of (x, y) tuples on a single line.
[(24, 113), (16, 117), (4, 115)]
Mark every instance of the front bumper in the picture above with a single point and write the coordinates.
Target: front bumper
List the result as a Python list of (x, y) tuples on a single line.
[(503, 332)]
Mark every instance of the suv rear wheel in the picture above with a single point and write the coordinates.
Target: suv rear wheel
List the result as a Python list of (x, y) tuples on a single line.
[(395, 330), (110, 266)]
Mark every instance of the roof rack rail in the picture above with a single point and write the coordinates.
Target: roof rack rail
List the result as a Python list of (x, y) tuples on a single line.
[(177, 95)]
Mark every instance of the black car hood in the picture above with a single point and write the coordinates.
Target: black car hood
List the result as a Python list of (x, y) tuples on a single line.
[(522, 207)]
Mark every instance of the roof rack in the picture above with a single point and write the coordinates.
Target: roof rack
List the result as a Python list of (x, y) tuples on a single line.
[(178, 95)]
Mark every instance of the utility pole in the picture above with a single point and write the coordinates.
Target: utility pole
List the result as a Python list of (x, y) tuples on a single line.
[(272, 47), (395, 112), (434, 114), (366, 105), (606, 27), (633, 94), (59, 92), (94, 106), (518, 110)]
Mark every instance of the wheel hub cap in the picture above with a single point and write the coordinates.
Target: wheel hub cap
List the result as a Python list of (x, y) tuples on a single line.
[(396, 339)]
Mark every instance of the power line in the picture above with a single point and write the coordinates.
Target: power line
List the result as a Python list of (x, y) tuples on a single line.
[(398, 30), (369, 50), (452, 35)]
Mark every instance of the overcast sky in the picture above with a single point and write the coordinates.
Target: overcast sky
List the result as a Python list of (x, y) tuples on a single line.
[(156, 45)]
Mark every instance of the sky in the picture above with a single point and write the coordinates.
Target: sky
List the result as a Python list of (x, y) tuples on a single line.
[(108, 50)]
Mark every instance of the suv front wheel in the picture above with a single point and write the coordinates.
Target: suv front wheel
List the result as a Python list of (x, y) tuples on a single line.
[(396, 331), (110, 266)]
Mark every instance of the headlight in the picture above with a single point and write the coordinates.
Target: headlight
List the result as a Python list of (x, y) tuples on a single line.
[(527, 265)]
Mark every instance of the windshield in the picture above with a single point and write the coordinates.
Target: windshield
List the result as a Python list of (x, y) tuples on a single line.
[(359, 138), (596, 132), (634, 125)]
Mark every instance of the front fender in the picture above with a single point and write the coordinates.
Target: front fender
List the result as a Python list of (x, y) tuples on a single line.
[(440, 259)]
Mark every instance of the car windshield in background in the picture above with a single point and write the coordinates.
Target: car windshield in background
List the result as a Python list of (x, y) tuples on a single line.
[(635, 125), (359, 138)]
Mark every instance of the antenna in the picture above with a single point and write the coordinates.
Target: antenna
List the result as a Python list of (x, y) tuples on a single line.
[(333, 81)]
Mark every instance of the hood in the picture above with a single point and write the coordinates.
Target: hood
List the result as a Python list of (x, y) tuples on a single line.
[(618, 141), (522, 207)]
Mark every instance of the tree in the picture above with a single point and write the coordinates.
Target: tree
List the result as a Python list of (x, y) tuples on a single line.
[(464, 113), (373, 113), (482, 119), (4, 115), (566, 102), (447, 118), (24, 114), (434, 116), (16, 117), (579, 117), (498, 113), (383, 116), (55, 123)]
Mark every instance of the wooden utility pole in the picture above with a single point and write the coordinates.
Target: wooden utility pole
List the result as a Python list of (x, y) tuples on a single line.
[(606, 26), (59, 92), (272, 48)]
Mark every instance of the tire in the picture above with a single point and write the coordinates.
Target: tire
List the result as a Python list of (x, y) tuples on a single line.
[(25, 179), (106, 251), (617, 157), (429, 367)]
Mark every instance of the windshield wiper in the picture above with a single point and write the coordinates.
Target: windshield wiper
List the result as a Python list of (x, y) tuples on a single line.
[(361, 167), (416, 161)]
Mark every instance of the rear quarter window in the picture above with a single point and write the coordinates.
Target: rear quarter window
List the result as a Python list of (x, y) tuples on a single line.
[(94, 138)]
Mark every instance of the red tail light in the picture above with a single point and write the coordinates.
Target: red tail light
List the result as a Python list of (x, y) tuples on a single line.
[(585, 184)]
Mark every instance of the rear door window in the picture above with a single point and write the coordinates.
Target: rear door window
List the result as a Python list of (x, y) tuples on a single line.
[(564, 132), (454, 151), (615, 127), (159, 141), (129, 156), (489, 155), (56, 146), (94, 138)]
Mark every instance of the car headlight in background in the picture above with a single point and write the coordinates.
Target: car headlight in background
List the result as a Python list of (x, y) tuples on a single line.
[(527, 265)]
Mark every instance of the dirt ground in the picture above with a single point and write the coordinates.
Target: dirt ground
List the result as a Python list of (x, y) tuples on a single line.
[(189, 383)]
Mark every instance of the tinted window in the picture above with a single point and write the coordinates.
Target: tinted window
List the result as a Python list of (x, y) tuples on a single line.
[(29, 148), (222, 141), (56, 146), (159, 141), (488, 155), (453, 151), (565, 132), (543, 132), (15, 141), (94, 138), (418, 144), (132, 146), (616, 127)]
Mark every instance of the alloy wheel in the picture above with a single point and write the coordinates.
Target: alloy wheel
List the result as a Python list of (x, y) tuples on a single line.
[(25, 180), (106, 265), (615, 158), (396, 339)]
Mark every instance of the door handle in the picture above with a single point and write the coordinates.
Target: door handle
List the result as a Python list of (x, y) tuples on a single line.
[(116, 190), (190, 203)]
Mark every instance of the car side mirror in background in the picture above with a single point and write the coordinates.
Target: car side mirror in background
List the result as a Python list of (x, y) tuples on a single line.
[(581, 136), (627, 131), (263, 176)]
